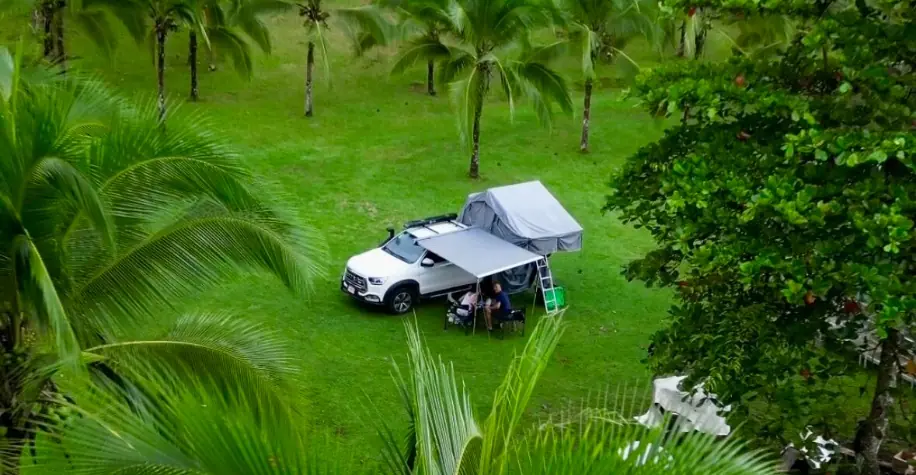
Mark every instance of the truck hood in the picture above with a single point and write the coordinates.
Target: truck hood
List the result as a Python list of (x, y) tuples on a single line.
[(376, 263)]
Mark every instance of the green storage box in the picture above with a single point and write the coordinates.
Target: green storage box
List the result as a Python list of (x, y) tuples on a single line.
[(555, 298)]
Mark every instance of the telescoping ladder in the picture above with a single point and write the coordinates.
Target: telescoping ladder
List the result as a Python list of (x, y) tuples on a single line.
[(545, 281)]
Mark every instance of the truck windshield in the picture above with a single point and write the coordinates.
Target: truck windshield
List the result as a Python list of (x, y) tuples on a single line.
[(404, 247)]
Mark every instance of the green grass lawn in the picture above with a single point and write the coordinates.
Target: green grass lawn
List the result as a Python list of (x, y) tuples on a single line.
[(380, 152)]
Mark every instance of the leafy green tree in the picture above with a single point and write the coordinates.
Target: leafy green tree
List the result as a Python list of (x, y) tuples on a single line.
[(204, 432), (600, 30), (107, 225), (366, 19), (493, 43), (782, 205), (423, 25)]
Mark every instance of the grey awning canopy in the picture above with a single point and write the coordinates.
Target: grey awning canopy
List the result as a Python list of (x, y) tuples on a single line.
[(478, 252)]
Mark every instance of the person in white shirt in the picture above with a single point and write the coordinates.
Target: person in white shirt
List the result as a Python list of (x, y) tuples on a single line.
[(465, 306)]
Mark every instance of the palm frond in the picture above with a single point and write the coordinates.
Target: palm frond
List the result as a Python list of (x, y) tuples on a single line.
[(448, 438), (189, 255), (453, 66), (231, 43), (72, 186), (40, 294), (175, 425), (598, 441), (400, 455), (8, 71), (514, 394), (127, 12), (235, 354), (368, 24), (95, 26), (629, 67), (542, 86), (465, 96), (423, 48), (317, 33)]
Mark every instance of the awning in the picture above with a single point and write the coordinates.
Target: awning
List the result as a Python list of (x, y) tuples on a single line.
[(478, 252)]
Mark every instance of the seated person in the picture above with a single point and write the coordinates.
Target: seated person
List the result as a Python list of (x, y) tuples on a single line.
[(498, 306), (464, 308)]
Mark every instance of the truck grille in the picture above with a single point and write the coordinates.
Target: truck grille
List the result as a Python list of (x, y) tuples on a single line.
[(356, 281)]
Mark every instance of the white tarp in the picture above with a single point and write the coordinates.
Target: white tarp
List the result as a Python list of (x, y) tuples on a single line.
[(525, 214), (696, 411)]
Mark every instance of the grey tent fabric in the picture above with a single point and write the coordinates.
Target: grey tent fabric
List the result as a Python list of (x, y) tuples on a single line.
[(478, 252), (525, 214)]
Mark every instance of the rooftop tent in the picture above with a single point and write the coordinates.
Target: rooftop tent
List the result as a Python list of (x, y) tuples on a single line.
[(525, 214), (478, 252)]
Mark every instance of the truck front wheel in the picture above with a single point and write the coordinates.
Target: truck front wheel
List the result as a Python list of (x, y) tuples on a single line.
[(401, 299)]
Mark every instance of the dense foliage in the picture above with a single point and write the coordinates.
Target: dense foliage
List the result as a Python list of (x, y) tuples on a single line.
[(187, 428), (782, 205), (108, 223)]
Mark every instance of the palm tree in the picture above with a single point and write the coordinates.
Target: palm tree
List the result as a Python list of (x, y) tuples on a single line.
[(367, 19), (423, 23), (156, 19), (108, 224), (493, 43), (688, 31), (601, 29), (194, 431), (230, 26)]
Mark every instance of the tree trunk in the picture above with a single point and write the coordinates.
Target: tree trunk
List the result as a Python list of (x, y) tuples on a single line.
[(872, 432), (14, 434), (192, 59), (309, 66), (586, 116), (161, 32), (682, 44), (430, 78), (482, 86), (47, 20), (59, 44), (700, 41), (14, 439)]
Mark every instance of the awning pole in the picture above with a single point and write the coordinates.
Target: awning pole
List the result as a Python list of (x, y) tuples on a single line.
[(476, 302), (537, 285)]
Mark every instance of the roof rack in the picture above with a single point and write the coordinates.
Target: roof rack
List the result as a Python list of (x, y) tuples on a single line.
[(432, 220)]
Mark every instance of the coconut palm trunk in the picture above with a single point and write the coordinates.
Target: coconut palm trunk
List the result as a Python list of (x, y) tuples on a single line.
[(161, 32), (586, 116), (700, 41), (873, 431), (47, 23), (430, 77), (484, 71), (309, 67), (59, 44), (682, 43), (192, 59)]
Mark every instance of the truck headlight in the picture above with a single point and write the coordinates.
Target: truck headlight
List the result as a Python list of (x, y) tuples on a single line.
[(376, 280)]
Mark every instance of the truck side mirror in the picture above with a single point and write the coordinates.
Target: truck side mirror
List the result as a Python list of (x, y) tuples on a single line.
[(390, 236), (427, 262)]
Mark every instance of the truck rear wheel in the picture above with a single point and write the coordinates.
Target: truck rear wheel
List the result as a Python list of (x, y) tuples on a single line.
[(401, 299)]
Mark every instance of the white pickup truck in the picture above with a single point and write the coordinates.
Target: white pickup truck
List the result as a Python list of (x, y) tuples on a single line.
[(400, 272)]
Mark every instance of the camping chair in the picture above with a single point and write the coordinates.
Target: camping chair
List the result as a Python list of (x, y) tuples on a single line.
[(454, 315), (513, 320)]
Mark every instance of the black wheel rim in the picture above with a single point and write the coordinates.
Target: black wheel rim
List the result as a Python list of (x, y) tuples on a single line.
[(402, 302)]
